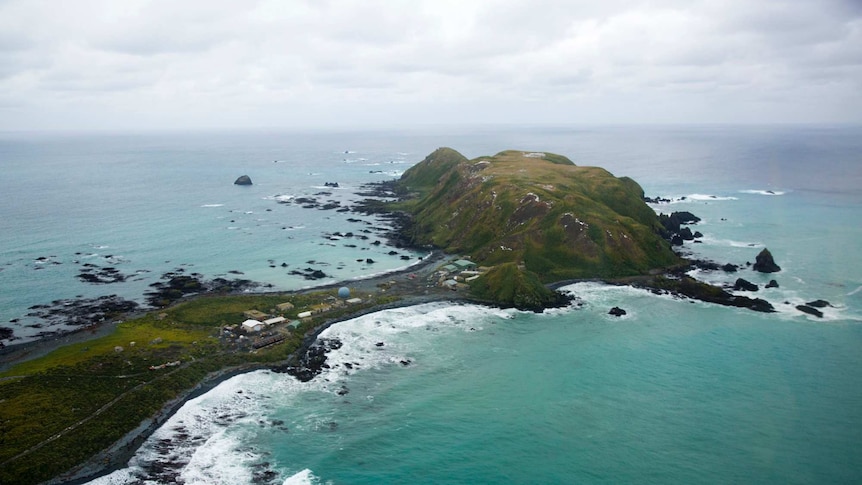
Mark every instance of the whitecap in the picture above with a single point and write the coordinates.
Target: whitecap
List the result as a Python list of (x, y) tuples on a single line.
[(691, 198), (201, 437), (387, 338), (762, 192), (213, 205), (301, 478), (708, 197), (857, 290), (786, 308), (730, 242), (218, 460)]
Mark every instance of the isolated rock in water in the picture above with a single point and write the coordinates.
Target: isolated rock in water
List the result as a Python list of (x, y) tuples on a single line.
[(744, 285), (764, 262), (810, 310), (818, 304), (617, 311), (243, 180), (772, 284)]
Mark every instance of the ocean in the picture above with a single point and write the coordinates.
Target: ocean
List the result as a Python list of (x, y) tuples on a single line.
[(675, 391)]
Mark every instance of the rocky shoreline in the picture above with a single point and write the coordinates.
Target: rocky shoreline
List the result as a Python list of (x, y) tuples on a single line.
[(305, 363), (117, 456)]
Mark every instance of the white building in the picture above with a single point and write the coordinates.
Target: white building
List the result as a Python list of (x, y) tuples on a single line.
[(273, 321), (252, 326)]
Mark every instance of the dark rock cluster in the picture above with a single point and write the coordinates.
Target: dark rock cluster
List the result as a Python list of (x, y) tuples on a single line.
[(313, 203), (811, 307), (175, 286), (312, 361), (82, 311), (310, 273), (91, 273), (673, 229)]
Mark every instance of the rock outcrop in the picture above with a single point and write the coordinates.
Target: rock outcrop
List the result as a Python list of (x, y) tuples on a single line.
[(810, 310), (243, 180), (765, 263), (617, 311), (744, 285)]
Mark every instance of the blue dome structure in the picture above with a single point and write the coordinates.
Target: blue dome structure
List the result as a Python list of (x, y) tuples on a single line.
[(344, 292)]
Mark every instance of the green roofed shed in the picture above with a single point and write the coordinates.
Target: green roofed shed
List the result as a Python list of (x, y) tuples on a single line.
[(463, 264)]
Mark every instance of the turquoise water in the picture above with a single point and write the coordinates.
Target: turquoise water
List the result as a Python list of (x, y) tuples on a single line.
[(674, 392)]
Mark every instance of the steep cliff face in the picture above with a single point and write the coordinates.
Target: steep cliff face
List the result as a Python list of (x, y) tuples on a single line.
[(538, 210)]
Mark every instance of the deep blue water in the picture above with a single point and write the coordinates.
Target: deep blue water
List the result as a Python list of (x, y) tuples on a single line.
[(674, 392)]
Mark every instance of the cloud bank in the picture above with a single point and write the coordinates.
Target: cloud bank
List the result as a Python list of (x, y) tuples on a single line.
[(94, 64)]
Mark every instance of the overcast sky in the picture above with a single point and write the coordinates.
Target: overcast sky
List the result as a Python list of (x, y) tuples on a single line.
[(192, 64)]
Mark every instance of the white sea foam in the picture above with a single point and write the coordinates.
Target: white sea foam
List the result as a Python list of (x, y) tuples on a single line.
[(857, 290), (279, 197), (707, 239), (203, 438), (762, 192), (400, 331), (786, 308), (692, 198), (601, 296), (220, 459), (302, 478), (118, 477), (213, 205), (708, 197)]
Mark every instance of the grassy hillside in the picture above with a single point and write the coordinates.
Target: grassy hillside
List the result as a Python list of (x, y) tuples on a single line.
[(552, 220), (559, 220)]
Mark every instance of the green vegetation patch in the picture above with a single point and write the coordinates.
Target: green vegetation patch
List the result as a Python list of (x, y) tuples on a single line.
[(59, 410), (513, 286)]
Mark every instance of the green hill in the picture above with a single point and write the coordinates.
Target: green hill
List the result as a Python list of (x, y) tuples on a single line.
[(539, 211)]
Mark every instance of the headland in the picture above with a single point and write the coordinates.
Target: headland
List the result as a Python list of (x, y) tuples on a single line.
[(505, 230)]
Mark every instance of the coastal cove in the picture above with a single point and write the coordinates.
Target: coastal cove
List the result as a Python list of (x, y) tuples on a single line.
[(408, 324)]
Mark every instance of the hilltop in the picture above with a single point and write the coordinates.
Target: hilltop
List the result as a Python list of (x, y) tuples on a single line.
[(531, 218)]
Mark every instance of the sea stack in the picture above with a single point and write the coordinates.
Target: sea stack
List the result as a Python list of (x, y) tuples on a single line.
[(764, 262), (243, 180)]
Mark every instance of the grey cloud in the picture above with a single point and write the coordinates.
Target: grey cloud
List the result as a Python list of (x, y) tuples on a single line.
[(582, 56)]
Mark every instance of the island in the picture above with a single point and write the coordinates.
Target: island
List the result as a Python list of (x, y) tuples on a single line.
[(504, 230)]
